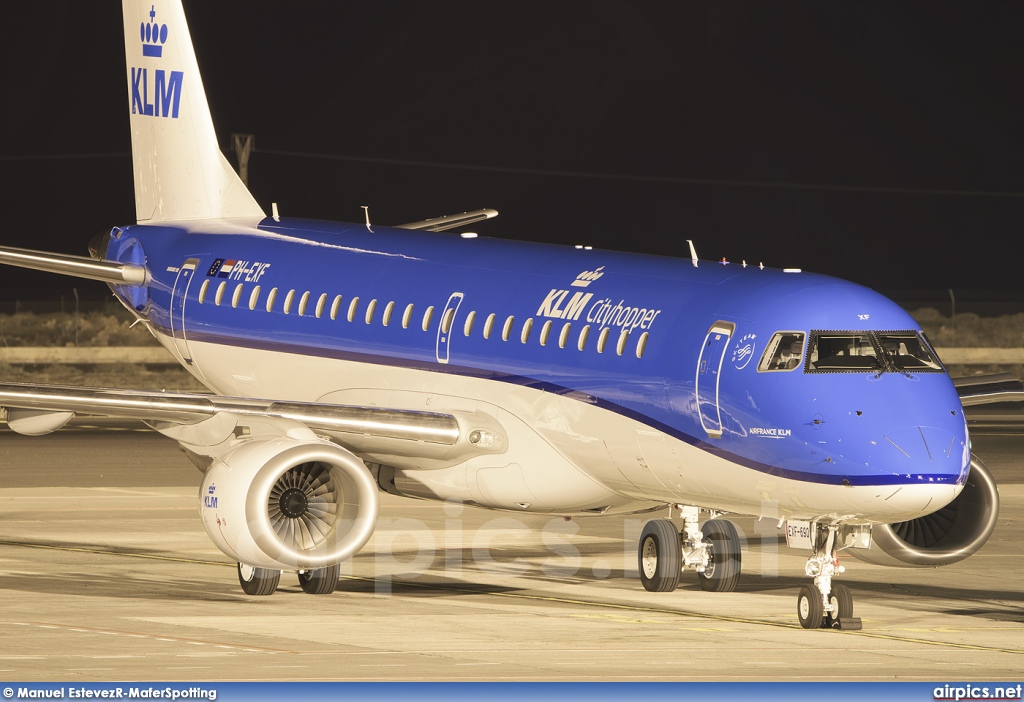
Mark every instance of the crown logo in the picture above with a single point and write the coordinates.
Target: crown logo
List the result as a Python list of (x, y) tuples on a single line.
[(154, 35), (587, 277)]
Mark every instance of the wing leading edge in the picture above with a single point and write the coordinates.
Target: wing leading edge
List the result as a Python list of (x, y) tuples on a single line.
[(986, 389), (209, 420)]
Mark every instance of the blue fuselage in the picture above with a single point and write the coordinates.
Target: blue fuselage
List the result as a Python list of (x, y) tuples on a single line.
[(676, 347)]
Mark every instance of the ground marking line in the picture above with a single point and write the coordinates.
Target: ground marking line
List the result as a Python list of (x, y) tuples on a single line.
[(559, 600)]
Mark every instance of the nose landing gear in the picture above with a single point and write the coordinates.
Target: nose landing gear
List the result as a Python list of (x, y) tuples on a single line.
[(825, 605)]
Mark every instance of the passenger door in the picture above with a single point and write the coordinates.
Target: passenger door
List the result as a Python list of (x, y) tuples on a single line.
[(709, 369), (178, 296)]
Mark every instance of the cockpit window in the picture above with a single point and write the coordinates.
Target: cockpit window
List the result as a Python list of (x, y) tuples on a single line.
[(783, 353), (908, 352), (842, 351), (875, 351)]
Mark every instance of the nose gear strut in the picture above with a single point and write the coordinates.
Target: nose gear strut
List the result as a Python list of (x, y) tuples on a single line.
[(825, 605)]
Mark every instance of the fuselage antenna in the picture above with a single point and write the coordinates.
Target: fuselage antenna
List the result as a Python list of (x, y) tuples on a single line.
[(366, 209), (693, 252)]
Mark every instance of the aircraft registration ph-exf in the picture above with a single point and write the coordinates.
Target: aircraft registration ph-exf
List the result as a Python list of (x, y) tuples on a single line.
[(347, 359)]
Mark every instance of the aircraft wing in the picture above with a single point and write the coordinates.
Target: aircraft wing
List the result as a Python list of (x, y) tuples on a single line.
[(440, 224), (986, 389), (203, 422)]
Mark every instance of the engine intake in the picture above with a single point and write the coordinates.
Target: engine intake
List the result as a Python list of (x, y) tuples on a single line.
[(945, 536), (287, 504)]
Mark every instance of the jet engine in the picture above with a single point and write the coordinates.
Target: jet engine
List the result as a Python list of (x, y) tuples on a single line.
[(288, 504), (946, 536)]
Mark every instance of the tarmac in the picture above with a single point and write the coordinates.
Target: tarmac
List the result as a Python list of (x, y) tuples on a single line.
[(107, 574)]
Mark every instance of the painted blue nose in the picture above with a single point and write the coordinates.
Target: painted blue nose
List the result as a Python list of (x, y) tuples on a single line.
[(923, 455)]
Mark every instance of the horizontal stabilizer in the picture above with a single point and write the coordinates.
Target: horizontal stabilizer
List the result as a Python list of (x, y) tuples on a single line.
[(440, 224), (77, 266), (986, 389)]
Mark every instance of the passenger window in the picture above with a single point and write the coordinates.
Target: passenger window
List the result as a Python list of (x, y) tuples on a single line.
[(321, 302), (842, 351), (527, 327), (271, 298), (563, 337), (237, 295), (467, 328), (584, 334), (335, 306), (506, 331), (545, 331), (370, 309), (254, 298), (427, 316), (489, 325), (446, 323), (353, 307), (303, 303), (407, 316), (602, 340), (288, 299), (202, 291), (219, 297), (387, 313), (623, 338), (641, 345), (783, 352)]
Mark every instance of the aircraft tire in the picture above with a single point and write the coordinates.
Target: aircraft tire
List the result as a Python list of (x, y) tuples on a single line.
[(258, 581), (660, 556), (723, 572), (841, 600), (321, 581), (810, 607)]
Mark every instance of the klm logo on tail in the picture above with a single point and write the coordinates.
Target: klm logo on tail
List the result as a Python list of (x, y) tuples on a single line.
[(165, 98)]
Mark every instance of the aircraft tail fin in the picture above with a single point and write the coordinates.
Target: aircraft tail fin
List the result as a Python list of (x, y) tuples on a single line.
[(180, 172)]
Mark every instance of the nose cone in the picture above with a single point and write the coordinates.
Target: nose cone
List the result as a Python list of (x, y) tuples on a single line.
[(921, 455)]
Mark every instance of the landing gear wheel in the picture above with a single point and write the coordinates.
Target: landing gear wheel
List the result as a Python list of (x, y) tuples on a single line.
[(660, 556), (321, 581), (722, 574), (841, 601), (841, 616), (258, 581), (810, 608)]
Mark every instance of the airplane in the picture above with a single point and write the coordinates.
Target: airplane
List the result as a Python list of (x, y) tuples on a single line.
[(348, 359)]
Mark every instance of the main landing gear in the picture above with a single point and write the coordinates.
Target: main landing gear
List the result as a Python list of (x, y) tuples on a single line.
[(825, 605), (713, 552), (264, 581)]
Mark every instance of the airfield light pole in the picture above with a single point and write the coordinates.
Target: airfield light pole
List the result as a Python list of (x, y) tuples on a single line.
[(953, 311), (75, 290), (243, 145)]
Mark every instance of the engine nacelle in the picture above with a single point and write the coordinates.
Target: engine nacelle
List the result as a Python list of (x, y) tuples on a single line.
[(288, 504), (946, 536)]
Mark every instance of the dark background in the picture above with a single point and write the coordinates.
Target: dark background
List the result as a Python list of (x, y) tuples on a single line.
[(875, 141)]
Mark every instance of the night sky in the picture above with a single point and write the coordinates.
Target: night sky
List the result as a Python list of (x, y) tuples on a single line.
[(879, 142)]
